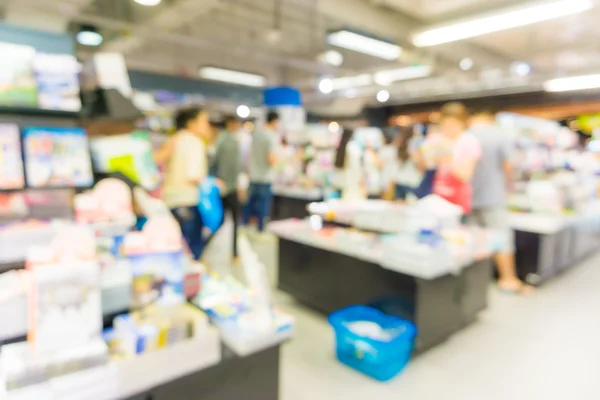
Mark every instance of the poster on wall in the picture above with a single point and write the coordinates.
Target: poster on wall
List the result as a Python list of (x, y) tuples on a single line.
[(17, 81), (57, 157), (11, 162), (57, 80), (129, 154)]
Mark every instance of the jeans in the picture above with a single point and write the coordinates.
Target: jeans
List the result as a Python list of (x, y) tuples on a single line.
[(402, 191), (190, 222), (259, 204), (232, 203)]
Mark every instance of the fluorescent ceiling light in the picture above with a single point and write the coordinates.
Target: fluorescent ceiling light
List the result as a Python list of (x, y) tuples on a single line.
[(351, 82), (573, 83), (149, 3), (500, 21), (331, 57), (401, 74), (364, 44), (230, 76)]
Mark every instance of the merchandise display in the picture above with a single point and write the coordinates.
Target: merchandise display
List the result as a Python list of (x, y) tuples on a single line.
[(129, 154), (57, 81), (11, 162), (17, 80), (57, 157)]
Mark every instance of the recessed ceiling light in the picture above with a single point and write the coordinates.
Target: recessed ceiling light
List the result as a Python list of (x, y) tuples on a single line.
[(332, 57), (334, 127), (243, 111), (89, 36), (325, 86), (149, 3), (466, 64), (364, 44), (520, 68), (500, 20), (383, 96)]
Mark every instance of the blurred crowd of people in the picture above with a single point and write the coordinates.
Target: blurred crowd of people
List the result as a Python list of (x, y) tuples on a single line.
[(465, 159)]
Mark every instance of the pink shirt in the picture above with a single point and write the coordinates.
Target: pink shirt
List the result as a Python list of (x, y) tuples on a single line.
[(464, 150)]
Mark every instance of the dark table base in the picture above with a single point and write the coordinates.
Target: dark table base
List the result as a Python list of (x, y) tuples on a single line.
[(255, 377), (289, 207), (328, 281), (540, 257)]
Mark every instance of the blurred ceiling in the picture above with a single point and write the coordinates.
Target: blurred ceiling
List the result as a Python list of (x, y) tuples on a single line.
[(281, 39)]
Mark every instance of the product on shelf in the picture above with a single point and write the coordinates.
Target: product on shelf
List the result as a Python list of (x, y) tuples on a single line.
[(129, 154), (17, 81), (154, 328), (11, 162), (110, 201), (57, 78), (57, 157), (157, 263)]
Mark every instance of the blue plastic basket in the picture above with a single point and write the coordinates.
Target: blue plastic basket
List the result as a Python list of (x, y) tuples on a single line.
[(379, 359)]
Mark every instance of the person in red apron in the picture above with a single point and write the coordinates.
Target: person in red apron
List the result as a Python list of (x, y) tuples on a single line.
[(456, 155)]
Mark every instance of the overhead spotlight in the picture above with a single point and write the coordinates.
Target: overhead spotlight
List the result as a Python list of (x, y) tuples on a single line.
[(383, 96), (89, 36), (326, 86), (466, 64), (243, 111), (148, 3), (520, 68), (332, 57), (334, 127)]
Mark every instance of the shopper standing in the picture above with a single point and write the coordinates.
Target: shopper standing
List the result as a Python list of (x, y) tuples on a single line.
[(184, 155), (491, 184), (262, 162), (349, 168), (228, 167), (456, 154), (407, 175)]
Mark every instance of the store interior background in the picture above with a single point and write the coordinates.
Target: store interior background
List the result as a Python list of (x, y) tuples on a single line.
[(543, 346)]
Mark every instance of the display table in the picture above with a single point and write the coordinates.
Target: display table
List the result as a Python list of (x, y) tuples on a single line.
[(327, 279), (194, 369), (291, 202), (255, 377), (547, 245)]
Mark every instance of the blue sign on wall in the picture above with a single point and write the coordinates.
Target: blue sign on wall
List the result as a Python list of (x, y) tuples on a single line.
[(45, 42)]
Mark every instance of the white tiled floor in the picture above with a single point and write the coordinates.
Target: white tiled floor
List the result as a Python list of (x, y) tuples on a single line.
[(543, 347)]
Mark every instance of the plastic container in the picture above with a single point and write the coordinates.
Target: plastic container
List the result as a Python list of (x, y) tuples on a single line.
[(381, 353)]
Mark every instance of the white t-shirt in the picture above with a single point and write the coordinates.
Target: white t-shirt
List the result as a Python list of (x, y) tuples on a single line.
[(185, 169)]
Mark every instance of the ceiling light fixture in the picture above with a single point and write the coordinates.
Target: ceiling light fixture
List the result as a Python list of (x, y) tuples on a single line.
[(243, 111), (231, 76), (383, 96), (148, 3), (326, 86), (332, 57), (584, 82), (499, 21), (466, 64), (364, 44), (334, 127), (520, 68), (387, 77), (351, 82), (89, 36)]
